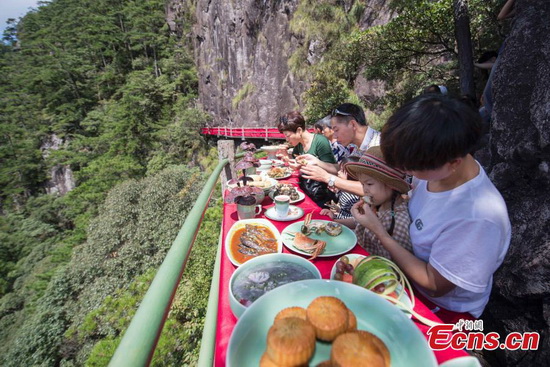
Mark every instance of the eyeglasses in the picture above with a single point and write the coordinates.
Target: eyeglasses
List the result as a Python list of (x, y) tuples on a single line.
[(283, 120)]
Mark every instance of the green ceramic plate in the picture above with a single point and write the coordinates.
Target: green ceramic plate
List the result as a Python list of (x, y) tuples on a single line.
[(336, 245), (407, 346)]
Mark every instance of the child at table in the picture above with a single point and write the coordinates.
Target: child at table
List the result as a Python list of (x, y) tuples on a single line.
[(342, 213), (460, 228), (384, 188)]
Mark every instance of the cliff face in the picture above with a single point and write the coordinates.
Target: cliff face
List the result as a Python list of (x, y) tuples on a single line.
[(61, 179), (520, 168), (241, 49)]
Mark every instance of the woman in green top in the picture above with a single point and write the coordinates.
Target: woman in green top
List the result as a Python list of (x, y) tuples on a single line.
[(293, 127)]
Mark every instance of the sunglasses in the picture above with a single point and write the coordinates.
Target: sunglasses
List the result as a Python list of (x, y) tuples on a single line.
[(337, 112), (283, 120)]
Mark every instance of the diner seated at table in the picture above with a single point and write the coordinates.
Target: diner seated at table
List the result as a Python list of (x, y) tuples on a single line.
[(323, 126), (293, 127), (384, 187), (342, 212), (460, 230), (349, 125)]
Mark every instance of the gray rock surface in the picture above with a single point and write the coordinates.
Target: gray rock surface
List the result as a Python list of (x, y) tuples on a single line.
[(519, 167), (61, 179), (242, 49)]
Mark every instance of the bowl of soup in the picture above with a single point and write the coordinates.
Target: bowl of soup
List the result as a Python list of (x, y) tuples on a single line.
[(262, 274), (250, 238)]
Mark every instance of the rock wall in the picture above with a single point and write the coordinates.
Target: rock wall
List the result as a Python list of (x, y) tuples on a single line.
[(520, 168), (242, 50), (61, 177)]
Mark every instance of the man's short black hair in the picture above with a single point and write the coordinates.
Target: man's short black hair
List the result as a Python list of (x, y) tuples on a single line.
[(429, 131), (348, 112)]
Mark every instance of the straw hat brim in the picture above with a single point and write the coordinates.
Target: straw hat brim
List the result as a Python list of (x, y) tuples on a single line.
[(396, 183)]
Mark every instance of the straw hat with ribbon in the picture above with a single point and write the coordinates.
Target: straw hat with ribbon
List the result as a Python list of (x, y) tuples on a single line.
[(372, 163)]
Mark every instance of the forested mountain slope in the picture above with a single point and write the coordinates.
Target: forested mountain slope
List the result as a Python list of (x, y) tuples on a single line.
[(116, 88)]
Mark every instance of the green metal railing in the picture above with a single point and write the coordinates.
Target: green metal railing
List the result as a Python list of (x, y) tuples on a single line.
[(140, 339)]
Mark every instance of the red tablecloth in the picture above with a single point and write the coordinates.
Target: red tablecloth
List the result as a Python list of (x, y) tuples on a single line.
[(226, 320)]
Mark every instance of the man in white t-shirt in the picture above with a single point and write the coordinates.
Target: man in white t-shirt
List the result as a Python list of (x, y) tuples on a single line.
[(460, 230)]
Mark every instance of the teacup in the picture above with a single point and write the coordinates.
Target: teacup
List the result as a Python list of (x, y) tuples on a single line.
[(282, 204), (248, 211)]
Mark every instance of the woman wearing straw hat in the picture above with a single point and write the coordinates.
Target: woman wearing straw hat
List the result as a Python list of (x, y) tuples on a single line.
[(384, 188)]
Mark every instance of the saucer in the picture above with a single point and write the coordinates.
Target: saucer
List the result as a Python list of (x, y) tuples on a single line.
[(294, 213)]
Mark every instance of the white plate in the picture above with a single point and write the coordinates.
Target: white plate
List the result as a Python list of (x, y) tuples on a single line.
[(406, 343), (287, 175), (403, 298), (271, 148), (270, 182), (301, 196), (240, 224), (271, 162), (294, 213)]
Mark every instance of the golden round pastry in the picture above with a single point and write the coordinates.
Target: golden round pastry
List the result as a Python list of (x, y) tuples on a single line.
[(359, 348), (329, 317), (298, 312), (265, 361), (290, 341), (352, 321), (326, 363)]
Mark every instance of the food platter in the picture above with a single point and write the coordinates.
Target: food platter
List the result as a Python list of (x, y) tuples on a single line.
[(287, 174), (336, 245), (407, 345), (301, 196), (264, 182), (403, 296), (231, 251)]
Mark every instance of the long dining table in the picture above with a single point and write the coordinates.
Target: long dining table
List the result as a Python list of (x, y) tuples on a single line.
[(226, 321)]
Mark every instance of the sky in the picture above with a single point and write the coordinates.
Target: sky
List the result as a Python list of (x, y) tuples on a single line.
[(13, 9)]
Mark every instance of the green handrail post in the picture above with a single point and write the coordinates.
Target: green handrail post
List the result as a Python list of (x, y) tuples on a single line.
[(140, 339), (206, 354)]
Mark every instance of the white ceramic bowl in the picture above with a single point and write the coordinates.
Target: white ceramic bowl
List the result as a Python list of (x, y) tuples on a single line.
[(240, 224), (265, 260)]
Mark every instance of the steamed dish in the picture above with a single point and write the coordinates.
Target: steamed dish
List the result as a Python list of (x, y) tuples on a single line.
[(256, 281), (286, 189)]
